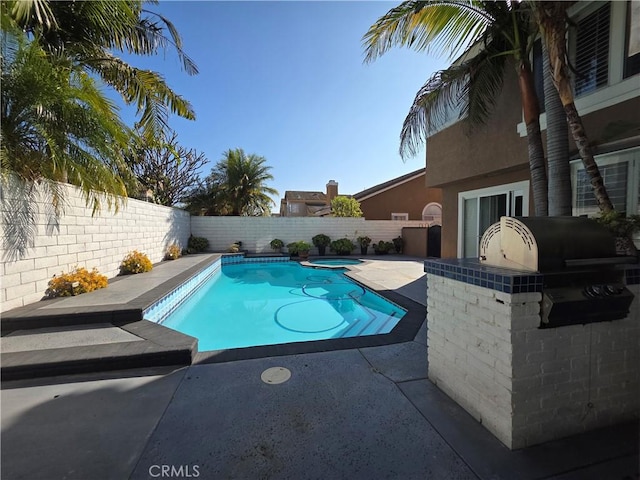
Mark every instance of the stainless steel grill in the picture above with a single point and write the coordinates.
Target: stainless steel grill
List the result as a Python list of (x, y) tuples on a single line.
[(583, 281)]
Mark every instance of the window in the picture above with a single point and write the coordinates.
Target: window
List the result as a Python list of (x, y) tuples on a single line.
[(296, 208), (432, 213), (399, 216), (592, 50), (538, 73), (479, 209), (621, 174), (632, 43)]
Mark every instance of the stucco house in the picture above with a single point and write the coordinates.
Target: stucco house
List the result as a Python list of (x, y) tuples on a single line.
[(485, 174), (297, 203), (402, 198)]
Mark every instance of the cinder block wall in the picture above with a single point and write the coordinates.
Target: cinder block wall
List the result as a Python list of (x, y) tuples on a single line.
[(100, 241), (256, 233), (529, 385)]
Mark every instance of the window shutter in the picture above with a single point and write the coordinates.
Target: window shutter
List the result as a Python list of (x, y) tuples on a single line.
[(592, 50)]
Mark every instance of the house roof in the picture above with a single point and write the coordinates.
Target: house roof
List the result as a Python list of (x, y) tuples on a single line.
[(301, 196), (369, 192)]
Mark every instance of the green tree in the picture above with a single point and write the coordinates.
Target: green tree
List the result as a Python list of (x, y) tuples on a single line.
[(552, 19), (496, 31), (342, 206), (87, 33), (57, 126), (237, 185)]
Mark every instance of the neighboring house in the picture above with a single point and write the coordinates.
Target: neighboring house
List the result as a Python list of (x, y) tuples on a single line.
[(307, 204), (485, 174), (403, 198)]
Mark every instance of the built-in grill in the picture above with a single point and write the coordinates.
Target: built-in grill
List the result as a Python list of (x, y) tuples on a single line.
[(583, 278)]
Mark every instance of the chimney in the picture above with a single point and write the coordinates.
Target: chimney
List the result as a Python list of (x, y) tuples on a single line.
[(332, 191)]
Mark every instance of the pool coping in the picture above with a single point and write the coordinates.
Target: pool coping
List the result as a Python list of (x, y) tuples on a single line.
[(160, 345)]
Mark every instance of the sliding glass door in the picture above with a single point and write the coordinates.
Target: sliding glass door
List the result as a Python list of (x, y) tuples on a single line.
[(478, 209)]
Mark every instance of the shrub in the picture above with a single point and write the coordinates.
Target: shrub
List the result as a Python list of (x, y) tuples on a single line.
[(135, 262), (62, 285), (173, 252), (398, 244), (363, 241), (382, 247), (276, 244), (303, 246), (197, 244), (342, 246), (321, 240), (292, 248)]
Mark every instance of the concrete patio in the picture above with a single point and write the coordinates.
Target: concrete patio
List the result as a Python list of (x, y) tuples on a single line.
[(359, 413)]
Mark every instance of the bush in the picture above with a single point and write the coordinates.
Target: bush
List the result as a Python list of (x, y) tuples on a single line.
[(342, 246), (135, 262), (382, 247), (173, 252), (363, 241), (197, 244), (88, 281), (398, 244), (276, 244), (303, 246), (321, 240), (292, 248)]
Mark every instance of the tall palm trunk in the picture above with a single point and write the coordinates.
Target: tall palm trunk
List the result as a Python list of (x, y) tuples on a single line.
[(551, 18), (531, 111), (557, 145)]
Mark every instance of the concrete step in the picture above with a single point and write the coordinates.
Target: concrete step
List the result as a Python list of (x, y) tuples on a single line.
[(92, 348)]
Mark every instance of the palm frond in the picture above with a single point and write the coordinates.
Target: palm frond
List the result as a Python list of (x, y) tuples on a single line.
[(435, 26), (470, 88)]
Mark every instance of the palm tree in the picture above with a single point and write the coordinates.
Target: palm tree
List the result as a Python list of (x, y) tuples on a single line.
[(243, 179), (238, 184), (557, 145), (501, 29), (87, 33), (56, 125), (551, 17)]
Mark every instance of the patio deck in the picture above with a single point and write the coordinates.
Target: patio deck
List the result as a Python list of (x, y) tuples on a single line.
[(366, 412)]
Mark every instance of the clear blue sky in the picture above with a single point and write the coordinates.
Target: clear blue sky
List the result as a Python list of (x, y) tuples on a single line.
[(286, 80)]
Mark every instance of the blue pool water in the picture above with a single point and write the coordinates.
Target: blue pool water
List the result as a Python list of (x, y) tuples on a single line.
[(335, 261), (251, 304)]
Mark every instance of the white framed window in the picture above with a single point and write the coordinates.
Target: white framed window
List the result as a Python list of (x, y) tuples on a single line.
[(589, 47), (604, 45), (621, 174), (400, 216), (432, 213), (479, 209)]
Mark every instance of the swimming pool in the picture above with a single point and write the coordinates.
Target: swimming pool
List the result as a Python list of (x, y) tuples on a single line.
[(251, 304), (335, 261)]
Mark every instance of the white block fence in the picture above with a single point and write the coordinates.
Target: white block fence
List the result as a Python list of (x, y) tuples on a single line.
[(81, 239), (78, 238), (255, 233)]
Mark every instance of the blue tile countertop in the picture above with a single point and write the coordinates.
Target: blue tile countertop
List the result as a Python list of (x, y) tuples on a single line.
[(471, 271)]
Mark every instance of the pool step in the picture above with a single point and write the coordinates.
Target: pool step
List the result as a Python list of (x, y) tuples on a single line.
[(371, 326)]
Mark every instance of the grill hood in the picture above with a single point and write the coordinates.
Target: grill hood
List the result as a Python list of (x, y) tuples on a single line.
[(545, 244)]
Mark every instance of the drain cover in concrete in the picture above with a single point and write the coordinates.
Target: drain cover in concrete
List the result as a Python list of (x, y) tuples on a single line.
[(275, 375)]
